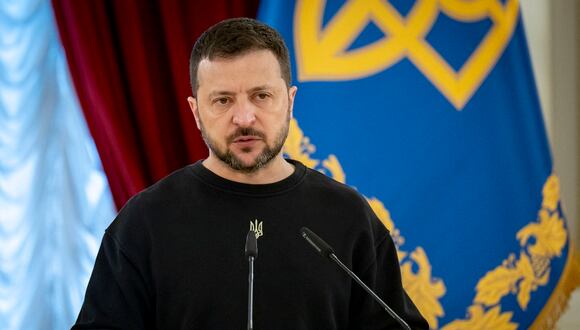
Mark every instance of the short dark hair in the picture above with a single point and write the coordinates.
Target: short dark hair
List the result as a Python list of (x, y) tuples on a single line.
[(236, 36)]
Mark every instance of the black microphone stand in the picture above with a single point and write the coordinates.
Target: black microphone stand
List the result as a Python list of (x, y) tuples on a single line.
[(251, 253), (394, 315), (326, 251)]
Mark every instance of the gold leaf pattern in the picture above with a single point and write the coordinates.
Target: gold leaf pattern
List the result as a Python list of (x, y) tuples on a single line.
[(385, 216), (496, 284), (299, 147), (479, 319), (382, 213), (551, 193), (530, 281), (333, 166), (524, 294), (526, 285), (549, 233), (531, 270), (424, 291)]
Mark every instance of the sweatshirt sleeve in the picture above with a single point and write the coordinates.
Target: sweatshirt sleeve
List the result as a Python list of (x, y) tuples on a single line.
[(116, 296), (384, 277)]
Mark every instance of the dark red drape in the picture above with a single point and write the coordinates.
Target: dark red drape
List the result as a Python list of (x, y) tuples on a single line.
[(129, 63)]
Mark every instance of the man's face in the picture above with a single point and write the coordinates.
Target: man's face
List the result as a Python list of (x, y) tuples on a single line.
[(243, 109)]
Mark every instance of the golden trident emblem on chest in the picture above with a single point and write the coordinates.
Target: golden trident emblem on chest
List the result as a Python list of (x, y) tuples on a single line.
[(257, 228)]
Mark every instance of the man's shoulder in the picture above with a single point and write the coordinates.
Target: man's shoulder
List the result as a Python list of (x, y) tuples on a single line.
[(324, 190), (174, 182), (347, 205), (318, 180), (158, 199), (169, 187)]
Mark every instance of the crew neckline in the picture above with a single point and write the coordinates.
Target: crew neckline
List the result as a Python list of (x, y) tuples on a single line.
[(210, 178)]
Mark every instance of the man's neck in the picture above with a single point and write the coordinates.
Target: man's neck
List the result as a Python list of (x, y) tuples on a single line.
[(276, 170)]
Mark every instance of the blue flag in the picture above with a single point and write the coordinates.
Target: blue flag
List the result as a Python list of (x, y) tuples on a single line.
[(429, 109)]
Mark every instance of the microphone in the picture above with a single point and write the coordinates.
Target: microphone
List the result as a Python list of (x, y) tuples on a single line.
[(326, 251), (251, 252), (251, 249), (317, 243)]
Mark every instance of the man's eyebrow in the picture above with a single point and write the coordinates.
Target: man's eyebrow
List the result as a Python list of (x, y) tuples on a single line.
[(260, 88), (220, 93), (230, 93)]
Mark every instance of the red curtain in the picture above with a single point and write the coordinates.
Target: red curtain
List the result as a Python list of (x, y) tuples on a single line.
[(129, 63)]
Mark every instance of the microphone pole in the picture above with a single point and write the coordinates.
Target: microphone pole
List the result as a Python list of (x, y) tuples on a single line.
[(251, 252), (326, 251)]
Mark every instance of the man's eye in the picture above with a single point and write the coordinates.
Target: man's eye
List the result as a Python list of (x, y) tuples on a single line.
[(222, 101), (262, 96)]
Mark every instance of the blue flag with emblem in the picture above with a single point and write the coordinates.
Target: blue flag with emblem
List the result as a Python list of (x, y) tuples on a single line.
[(429, 109)]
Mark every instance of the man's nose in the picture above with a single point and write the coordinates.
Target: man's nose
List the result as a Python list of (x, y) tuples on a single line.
[(244, 113)]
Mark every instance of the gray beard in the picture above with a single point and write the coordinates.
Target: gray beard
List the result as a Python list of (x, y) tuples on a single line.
[(269, 152)]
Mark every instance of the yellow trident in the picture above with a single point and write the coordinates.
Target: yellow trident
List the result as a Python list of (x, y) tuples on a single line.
[(257, 228), (323, 55)]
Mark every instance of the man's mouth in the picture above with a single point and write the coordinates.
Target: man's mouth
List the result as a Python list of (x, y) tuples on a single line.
[(246, 142), (246, 139)]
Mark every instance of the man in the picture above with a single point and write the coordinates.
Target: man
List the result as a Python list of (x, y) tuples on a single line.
[(174, 256)]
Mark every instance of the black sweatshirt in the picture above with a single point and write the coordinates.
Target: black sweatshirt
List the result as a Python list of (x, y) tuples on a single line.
[(174, 258)]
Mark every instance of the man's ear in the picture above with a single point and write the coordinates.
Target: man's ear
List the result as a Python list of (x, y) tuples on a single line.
[(291, 95), (194, 109)]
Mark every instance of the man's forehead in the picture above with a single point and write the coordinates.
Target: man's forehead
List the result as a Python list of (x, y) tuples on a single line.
[(226, 56), (257, 57), (250, 71)]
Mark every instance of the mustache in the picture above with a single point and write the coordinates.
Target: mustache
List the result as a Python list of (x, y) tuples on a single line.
[(245, 131)]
